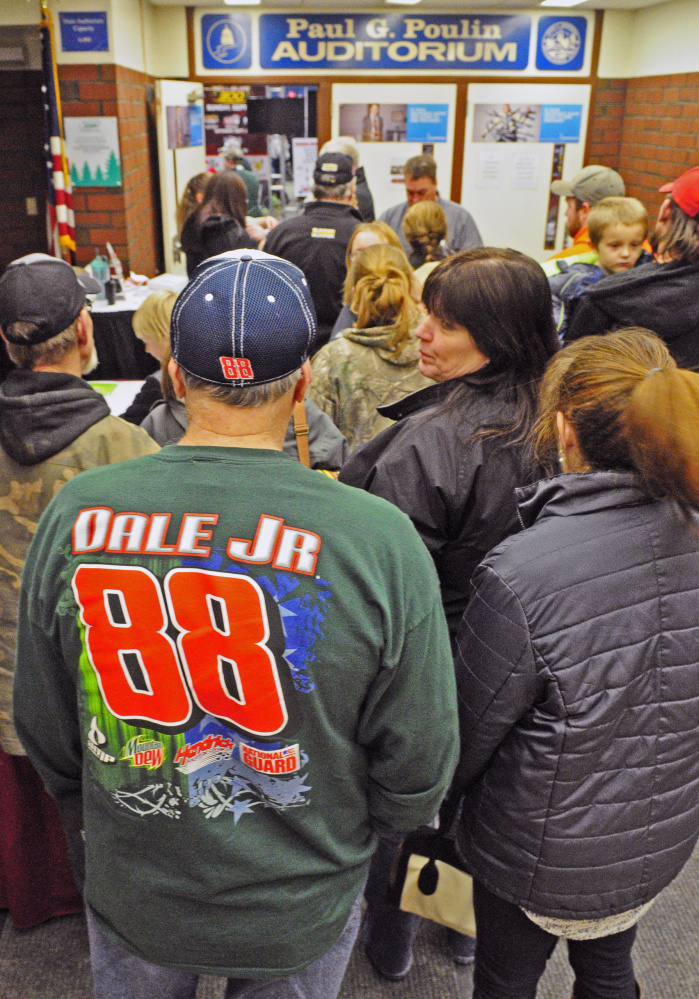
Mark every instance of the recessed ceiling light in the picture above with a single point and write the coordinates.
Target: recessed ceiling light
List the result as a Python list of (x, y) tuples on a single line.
[(561, 3), (242, 3), (405, 3)]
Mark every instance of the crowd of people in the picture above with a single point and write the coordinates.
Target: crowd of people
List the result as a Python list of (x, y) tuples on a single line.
[(244, 683)]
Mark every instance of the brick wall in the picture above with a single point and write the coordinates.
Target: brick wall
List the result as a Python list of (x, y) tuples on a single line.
[(127, 216), (647, 128), (23, 165), (606, 123), (660, 135)]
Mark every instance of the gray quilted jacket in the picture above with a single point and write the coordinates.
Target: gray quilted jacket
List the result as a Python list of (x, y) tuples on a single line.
[(578, 677)]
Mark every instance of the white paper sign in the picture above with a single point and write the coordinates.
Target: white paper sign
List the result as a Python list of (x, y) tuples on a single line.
[(491, 168), (305, 153), (92, 148), (525, 171)]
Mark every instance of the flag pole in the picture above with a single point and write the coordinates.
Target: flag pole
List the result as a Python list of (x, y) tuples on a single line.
[(59, 177)]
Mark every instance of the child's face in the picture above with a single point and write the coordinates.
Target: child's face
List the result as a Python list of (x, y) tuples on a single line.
[(620, 246)]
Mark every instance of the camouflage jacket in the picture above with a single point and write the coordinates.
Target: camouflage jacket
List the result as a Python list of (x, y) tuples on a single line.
[(27, 488), (360, 371)]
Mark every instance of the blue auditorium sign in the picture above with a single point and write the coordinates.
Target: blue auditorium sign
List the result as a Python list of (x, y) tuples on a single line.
[(396, 41)]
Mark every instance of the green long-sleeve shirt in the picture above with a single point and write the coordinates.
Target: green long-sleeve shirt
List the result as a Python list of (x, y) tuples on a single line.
[(244, 667)]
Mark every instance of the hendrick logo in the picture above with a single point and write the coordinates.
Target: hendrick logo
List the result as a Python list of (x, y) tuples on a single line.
[(196, 755)]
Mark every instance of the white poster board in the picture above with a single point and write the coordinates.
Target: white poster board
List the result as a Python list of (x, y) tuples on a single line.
[(304, 156), (382, 159), (513, 212), (92, 148)]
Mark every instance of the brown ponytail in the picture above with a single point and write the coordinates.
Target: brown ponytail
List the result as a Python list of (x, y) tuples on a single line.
[(631, 408), (424, 227), (381, 278)]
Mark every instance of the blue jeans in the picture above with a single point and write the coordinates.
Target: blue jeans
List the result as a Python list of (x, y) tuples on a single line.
[(119, 974), (512, 951)]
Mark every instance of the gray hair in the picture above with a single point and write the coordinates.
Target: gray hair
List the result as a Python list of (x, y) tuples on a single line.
[(30, 355), (245, 397), (344, 144), (330, 193)]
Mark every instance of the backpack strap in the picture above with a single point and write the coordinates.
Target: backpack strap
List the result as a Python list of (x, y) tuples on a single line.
[(301, 432)]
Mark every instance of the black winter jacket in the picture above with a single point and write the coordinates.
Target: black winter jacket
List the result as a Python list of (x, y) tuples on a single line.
[(578, 677), (216, 234), (660, 297), (458, 491)]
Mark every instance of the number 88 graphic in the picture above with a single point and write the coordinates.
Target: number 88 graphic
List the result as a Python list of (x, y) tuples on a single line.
[(227, 668)]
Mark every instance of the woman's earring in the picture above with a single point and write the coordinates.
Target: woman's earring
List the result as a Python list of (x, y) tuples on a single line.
[(562, 459)]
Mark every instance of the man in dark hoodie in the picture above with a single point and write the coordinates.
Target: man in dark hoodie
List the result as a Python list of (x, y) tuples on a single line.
[(52, 426), (662, 296)]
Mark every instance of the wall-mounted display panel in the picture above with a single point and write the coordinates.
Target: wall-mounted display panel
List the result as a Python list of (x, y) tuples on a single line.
[(517, 136), (383, 159)]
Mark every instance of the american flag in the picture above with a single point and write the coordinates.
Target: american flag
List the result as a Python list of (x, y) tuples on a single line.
[(60, 219)]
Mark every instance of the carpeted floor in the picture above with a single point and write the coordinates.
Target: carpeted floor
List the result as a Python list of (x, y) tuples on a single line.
[(51, 961)]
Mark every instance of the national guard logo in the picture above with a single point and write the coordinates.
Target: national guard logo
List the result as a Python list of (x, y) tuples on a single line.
[(226, 41)]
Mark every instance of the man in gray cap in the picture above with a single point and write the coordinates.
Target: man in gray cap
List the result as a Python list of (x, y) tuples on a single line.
[(52, 426), (586, 188)]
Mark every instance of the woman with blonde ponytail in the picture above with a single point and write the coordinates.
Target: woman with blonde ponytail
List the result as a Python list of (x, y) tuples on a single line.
[(374, 362), (578, 674)]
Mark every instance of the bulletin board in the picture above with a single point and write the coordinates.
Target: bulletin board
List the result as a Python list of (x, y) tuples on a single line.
[(423, 112), (515, 135)]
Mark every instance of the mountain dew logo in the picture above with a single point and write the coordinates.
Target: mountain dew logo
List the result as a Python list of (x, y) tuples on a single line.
[(143, 752)]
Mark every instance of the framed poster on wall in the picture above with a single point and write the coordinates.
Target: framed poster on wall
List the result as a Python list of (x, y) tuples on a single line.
[(92, 148)]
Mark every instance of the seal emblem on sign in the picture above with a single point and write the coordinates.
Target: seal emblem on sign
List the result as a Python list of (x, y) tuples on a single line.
[(226, 42), (561, 42)]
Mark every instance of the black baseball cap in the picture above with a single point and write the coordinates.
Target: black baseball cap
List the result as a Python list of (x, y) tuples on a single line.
[(245, 318), (45, 291), (333, 169)]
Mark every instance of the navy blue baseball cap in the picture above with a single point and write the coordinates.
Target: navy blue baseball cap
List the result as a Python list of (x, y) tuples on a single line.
[(245, 318)]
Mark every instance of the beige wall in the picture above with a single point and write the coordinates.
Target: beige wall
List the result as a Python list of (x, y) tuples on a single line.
[(654, 41)]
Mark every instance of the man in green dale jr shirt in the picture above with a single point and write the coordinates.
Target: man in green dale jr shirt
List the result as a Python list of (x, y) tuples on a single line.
[(236, 667)]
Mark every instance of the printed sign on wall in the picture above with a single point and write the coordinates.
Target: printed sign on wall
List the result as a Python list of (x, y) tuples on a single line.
[(427, 122), (84, 32), (397, 41), (225, 41), (527, 123), (92, 148), (561, 43)]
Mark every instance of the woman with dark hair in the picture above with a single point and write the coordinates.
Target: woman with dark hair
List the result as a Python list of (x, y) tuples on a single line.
[(453, 459), (456, 453), (578, 673), (218, 224)]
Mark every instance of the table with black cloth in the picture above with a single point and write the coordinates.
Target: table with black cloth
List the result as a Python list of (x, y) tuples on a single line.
[(121, 354)]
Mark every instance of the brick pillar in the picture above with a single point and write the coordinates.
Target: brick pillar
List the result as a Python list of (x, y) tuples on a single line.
[(660, 138), (607, 123), (127, 216)]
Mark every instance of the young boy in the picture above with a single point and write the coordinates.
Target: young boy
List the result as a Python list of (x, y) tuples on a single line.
[(618, 228)]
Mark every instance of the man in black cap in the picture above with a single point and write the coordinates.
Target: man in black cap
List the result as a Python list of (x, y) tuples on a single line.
[(317, 240), (52, 426), (251, 668)]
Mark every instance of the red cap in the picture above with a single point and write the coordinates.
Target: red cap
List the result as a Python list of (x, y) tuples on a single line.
[(685, 192)]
